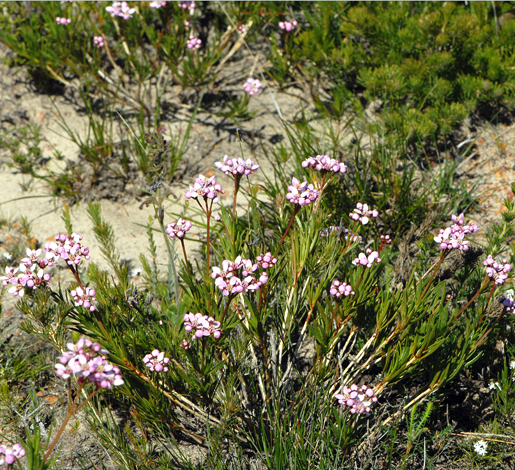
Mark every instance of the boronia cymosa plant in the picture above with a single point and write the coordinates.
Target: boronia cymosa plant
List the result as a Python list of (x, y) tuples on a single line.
[(257, 305)]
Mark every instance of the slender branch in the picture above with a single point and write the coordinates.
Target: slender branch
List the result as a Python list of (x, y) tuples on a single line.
[(295, 210)]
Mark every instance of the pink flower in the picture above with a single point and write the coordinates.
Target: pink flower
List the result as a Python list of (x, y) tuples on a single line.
[(63, 21), (242, 29), (98, 41), (368, 259), (187, 5), (84, 297), (83, 360), (178, 229), (324, 163), (229, 280), (10, 274), (341, 288), (193, 42), (363, 213), (67, 247), (121, 9), (453, 237), (9, 455), (252, 86), (301, 193), (358, 399), (156, 361), (237, 166), (203, 326), (206, 188), (158, 4), (497, 271), (287, 25)]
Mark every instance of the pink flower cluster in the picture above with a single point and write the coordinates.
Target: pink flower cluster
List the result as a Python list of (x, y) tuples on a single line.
[(98, 41), (301, 193), (187, 5), (66, 247), (358, 399), (367, 259), (324, 163), (193, 42), (266, 260), (27, 275), (287, 25), (63, 21), (158, 4), (453, 237), (9, 455), (203, 326), (156, 361), (206, 188), (341, 288), (237, 166), (497, 271), (121, 9), (325, 232), (362, 213), (84, 297), (227, 277), (252, 86), (178, 229), (242, 29), (85, 361)]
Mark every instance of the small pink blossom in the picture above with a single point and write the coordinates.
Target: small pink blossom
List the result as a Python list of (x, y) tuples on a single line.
[(9, 455), (98, 41), (187, 5), (63, 21), (242, 29), (67, 247), (121, 9), (252, 86), (497, 271), (368, 259), (84, 297), (287, 25), (158, 4), (324, 163), (359, 399), (301, 193), (84, 360), (178, 229), (193, 43), (341, 288), (362, 213), (237, 166), (453, 237), (201, 326), (156, 361), (206, 188)]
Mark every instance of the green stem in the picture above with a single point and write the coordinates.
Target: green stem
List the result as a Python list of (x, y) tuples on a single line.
[(236, 188), (185, 256), (208, 215)]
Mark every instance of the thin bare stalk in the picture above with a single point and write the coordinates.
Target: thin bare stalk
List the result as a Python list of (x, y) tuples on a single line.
[(295, 210)]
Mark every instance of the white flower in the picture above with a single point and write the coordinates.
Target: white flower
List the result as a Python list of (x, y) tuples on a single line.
[(512, 364), (480, 447)]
